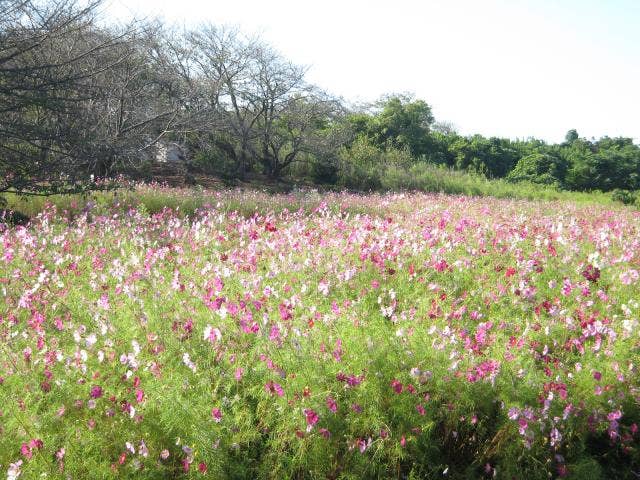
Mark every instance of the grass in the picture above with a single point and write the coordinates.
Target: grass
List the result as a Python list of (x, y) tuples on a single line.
[(419, 178), (430, 178)]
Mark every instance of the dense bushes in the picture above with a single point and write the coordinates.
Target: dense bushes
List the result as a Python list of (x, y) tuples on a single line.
[(363, 166), (624, 196), (387, 153), (539, 168)]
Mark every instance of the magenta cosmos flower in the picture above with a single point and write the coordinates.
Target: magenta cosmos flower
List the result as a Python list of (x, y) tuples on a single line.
[(311, 417)]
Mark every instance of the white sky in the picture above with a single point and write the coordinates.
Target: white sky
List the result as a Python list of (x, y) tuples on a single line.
[(511, 68)]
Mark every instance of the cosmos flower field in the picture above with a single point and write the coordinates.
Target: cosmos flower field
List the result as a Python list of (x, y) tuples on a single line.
[(322, 336)]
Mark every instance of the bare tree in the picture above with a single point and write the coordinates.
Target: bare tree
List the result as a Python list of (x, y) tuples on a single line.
[(77, 98), (266, 113), (134, 104), (40, 52), (304, 124), (226, 59)]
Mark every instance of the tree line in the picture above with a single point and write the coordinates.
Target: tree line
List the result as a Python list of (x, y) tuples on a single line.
[(81, 98)]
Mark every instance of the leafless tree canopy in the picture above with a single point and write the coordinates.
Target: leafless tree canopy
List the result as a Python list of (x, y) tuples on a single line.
[(79, 99)]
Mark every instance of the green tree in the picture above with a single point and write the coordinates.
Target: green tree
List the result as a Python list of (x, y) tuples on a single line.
[(571, 136), (493, 157), (604, 165), (540, 168), (402, 122)]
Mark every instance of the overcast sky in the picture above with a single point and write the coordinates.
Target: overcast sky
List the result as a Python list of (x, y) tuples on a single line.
[(512, 68)]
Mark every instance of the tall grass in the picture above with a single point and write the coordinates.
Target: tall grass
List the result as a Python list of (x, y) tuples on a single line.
[(421, 177), (432, 178)]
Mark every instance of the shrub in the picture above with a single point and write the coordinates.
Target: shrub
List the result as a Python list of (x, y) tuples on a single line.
[(215, 162), (539, 168), (624, 196)]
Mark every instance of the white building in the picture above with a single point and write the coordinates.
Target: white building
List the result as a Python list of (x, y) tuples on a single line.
[(171, 152)]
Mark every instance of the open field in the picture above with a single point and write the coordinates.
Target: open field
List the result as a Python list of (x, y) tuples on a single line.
[(320, 336)]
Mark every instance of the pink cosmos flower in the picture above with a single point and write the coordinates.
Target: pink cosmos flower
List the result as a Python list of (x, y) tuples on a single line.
[(26, 451), (96, 392), (591, 273), (627, 278), (522, 425), (218, 285), (285, 312), (555, 437), (354, 381), (312, 418), (332, 405), (274, 334), (396, 385), (441, 265), (323, 287), (36, 443), (103, 303), (273, 387), (363, 445), (217, 415), (337, 353), (615, 415)]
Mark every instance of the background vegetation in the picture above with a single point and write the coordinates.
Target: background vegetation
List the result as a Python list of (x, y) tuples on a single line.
[(81, 99)]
